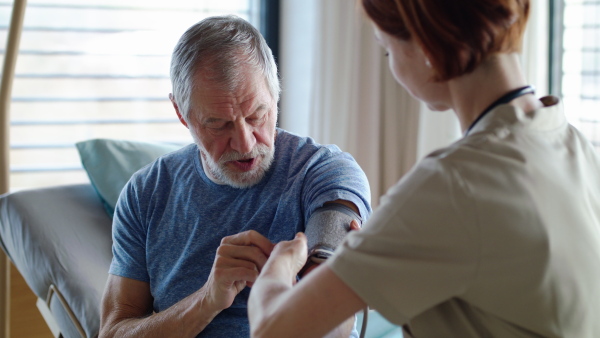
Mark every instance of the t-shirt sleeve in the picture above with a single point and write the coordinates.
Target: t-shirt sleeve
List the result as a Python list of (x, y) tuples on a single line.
[(418, 249), (129, 237), (335, 175)]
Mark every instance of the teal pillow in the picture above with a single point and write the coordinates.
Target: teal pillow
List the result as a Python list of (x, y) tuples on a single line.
[(110, 163)]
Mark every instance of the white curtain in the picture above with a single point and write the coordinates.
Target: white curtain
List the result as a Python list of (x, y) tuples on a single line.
[(355, 102), (534, 59)]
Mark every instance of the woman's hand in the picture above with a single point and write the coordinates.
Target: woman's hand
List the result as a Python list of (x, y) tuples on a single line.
[(286, 260), (277, 276), (312, 308)]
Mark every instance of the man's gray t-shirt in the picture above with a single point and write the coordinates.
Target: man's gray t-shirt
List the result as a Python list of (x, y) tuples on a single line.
[(170, 217)]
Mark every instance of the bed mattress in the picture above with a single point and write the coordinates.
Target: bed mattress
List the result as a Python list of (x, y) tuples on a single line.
[(59, 238)]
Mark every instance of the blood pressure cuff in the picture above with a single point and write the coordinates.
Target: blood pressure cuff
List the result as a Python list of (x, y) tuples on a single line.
[(326, 229)]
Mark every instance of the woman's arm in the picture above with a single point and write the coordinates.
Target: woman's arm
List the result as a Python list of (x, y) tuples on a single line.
[(315, 306)]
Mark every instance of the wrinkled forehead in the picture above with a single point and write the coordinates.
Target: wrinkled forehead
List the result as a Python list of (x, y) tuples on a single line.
[(247, 92), (218, 77)]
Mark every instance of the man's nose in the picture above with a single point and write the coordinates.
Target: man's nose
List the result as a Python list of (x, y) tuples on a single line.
[(243, 139)]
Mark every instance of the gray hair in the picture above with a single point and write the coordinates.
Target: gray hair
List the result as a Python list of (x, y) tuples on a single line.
[(220, 47)]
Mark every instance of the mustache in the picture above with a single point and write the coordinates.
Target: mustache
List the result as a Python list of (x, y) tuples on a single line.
[(258, 150)]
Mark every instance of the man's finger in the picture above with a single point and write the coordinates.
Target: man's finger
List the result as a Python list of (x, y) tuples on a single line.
[(250, 238), (251, 254), (225, 262), (242, 274), (228, 270)]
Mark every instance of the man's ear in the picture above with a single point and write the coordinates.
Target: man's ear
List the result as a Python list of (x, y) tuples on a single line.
[(181, 119)]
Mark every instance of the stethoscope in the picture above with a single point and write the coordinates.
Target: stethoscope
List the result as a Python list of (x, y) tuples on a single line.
[(506, 98)]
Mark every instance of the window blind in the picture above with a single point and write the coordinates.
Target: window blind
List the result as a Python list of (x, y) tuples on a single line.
[(580, 77), (95, 69)]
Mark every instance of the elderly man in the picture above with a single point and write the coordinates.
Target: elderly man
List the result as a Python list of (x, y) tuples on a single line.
[(193, 229)]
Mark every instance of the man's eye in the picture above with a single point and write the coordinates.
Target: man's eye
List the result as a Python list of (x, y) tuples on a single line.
[(217, 125), (256, 120)]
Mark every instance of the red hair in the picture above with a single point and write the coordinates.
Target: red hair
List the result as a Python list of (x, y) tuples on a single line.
[(456, 35)]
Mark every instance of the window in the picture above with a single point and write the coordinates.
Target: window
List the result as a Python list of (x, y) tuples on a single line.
[(576, 58), (95, 69)]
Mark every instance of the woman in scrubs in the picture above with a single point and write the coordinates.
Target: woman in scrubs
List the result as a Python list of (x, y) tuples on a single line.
[(496, 235)]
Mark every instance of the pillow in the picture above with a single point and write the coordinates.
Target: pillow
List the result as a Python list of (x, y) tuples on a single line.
[(110, 163)]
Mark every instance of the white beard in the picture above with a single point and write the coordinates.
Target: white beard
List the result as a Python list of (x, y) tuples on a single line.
[(221, 173)]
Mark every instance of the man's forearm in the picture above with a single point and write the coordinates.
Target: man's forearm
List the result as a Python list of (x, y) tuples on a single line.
[(186, 318)]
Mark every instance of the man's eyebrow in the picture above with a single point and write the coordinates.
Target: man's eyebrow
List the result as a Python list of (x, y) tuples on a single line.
[(261, 107), (211, 120)]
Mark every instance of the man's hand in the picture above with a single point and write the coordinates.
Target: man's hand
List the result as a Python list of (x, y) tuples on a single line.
[(127, 303), (238, 262)]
